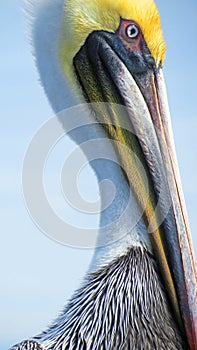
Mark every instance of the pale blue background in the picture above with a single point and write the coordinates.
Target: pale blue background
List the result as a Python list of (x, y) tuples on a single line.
[(38, 275)]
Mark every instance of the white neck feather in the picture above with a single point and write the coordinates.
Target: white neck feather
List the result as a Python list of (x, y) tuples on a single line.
[(121, 225)]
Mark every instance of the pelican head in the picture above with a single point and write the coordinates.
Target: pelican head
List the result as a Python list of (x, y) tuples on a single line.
[(113, 51)]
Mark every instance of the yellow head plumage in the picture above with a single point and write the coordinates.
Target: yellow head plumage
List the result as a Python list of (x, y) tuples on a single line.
[(82, 17)]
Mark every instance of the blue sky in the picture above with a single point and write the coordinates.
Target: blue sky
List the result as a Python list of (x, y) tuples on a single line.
[(38, 275)]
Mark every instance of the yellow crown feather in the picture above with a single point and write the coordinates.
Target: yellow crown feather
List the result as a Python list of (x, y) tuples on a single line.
[(83, 17)]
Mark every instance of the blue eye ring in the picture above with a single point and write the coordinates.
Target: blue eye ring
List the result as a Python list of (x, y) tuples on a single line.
[(132, 31)]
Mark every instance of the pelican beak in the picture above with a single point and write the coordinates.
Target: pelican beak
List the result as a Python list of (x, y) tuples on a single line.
[(108, 73)]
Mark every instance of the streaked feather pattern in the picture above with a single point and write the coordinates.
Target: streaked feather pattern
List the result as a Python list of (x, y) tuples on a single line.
[(121, 306), (28, 345)]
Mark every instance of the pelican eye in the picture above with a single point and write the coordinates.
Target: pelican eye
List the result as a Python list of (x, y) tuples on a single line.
[(132, 31)]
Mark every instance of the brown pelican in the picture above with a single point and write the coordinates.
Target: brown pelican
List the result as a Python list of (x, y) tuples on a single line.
[(141, 290)]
